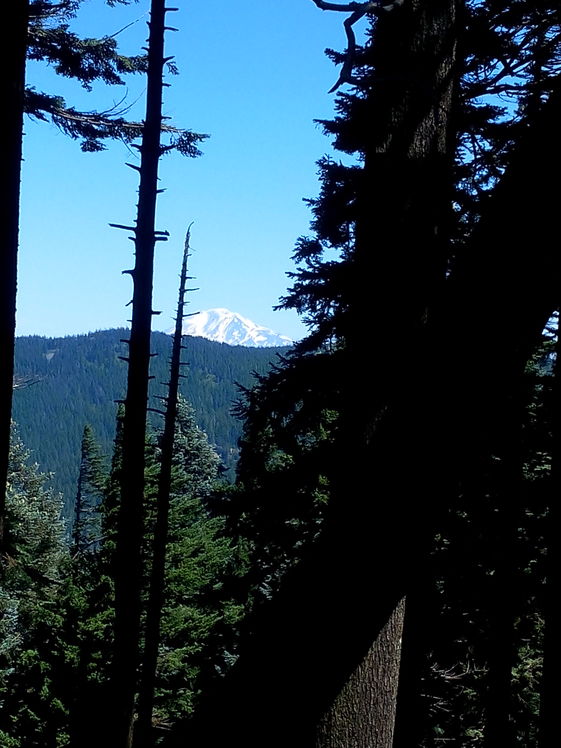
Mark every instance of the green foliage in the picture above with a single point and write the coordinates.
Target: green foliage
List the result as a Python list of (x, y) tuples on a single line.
[(86, 531), (34, 658), (87, 60), (293, 435), (86, 371), (284, 473), (198, 617)]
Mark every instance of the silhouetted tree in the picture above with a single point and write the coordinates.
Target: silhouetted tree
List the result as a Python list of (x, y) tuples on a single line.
[(128, 566), (13, 67), (143, 730), (426, 412)]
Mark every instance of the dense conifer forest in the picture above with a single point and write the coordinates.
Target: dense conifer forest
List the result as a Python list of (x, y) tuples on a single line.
[(383, 571), (67, 383)]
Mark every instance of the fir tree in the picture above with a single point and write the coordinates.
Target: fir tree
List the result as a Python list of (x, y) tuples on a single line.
[(86, 532), (34, 660), (420, 264)]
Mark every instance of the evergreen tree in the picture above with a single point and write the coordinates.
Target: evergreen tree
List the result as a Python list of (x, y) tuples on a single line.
[(13, 67), (424, 448), (86, 532), (34, 659), (199, 609)]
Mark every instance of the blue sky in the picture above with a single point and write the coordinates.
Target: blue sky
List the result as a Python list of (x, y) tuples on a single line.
[(253, 75)]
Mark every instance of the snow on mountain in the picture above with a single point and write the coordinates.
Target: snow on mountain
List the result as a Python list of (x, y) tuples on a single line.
[(224, 326)]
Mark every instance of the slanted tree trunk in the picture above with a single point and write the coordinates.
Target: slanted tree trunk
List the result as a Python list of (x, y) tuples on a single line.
[(128, 568), (327, 649), (144, 737), (363, 713), (11, 139), (399, 268)]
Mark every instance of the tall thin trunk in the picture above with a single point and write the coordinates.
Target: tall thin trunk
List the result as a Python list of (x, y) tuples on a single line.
[(143, 730), (11, 140), (128, 567)]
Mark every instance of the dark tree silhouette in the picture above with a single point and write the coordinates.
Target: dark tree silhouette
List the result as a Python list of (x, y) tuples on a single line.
[(13, 67), (143, 729), (127, 566), (328, 645)]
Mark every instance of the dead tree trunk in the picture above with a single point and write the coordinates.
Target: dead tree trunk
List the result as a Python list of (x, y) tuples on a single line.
[(128, 570), (11, 139), (143, 730)]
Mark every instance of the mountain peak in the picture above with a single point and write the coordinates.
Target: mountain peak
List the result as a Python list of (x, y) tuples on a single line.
[(224, 326)]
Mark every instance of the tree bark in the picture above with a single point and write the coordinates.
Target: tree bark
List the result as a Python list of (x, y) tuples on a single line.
[(363, 714), (338, 617), (11, 141)]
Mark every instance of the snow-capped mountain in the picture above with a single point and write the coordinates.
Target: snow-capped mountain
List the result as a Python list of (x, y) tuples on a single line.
[(224, 326)]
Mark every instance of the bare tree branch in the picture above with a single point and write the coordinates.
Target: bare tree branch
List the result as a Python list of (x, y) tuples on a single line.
[(357, 11), (346, 75), (373, 6)]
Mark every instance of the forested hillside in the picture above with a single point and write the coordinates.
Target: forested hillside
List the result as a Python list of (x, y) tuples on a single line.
[(73, 381)]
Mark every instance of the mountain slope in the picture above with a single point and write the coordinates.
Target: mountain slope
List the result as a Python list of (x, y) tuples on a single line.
[(224, 326), (79, 378)]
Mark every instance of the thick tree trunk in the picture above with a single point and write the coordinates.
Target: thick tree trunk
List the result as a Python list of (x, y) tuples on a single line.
[(11, 140), (363, 714), (128, 569), (399, 268), (328, 645)]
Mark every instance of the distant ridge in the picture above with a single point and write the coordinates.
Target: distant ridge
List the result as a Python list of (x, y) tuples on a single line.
[(77, 379), (224, 326)]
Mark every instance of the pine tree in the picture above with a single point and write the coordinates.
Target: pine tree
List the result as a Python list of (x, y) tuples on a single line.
[(86, 532), (422, 267), (199, 609), (34, 663)]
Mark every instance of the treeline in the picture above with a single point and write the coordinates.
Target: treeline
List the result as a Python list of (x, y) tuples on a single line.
[(69, 382)]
